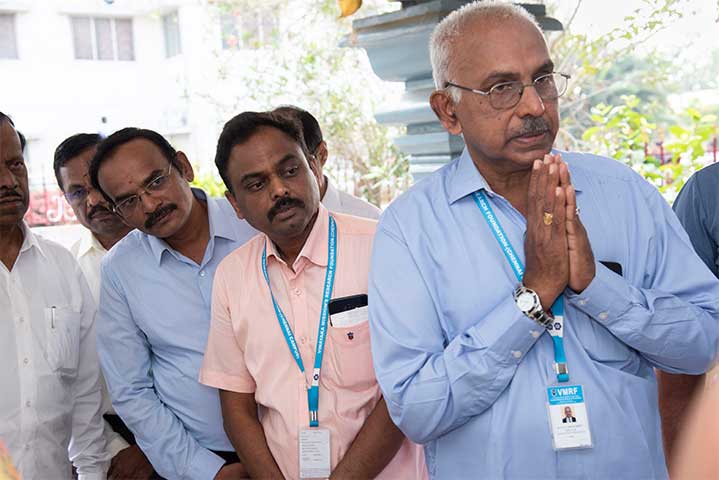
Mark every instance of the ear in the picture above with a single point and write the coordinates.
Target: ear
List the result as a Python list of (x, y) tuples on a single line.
[(231, 198), (444, 107), (322, 155), (187, 172)]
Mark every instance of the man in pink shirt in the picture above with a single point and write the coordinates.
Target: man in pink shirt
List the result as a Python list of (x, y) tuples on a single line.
[(289, 329)]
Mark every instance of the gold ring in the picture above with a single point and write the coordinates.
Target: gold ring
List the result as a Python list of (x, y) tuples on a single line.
[(548, 217)]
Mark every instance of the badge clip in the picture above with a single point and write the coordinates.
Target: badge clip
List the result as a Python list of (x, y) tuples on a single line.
[(562, 371)]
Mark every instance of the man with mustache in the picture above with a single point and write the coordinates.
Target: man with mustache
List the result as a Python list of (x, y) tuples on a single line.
[(495, 302), (154, 311), (334, 200), (302, 304), (103, 230), (50, 397)]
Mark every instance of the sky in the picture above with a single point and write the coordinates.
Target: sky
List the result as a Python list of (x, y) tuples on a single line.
[(694, 34)]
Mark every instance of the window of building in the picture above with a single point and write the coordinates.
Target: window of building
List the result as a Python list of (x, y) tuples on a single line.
[(97, 38), (171, 29), (249, 29), (8, 41)]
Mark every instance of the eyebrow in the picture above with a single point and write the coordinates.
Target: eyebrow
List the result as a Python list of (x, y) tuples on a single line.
[(253, 175), (75, 186), (547, 66), (153, 175)]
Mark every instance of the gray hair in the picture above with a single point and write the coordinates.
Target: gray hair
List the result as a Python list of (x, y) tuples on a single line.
[(452, 26)]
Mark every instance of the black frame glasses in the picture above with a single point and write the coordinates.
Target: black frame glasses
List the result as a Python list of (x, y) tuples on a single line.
[(549, 86), (128, 206)]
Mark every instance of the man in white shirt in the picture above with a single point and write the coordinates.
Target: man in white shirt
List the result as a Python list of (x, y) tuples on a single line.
[(50, 383), (334, 200), (103, 230)]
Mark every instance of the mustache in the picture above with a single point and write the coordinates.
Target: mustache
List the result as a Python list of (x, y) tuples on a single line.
[(282, 204), (531, 126), (97, 209), (10, 194), (155, 216)]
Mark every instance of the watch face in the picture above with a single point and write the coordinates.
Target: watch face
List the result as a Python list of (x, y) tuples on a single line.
[(525, 301)]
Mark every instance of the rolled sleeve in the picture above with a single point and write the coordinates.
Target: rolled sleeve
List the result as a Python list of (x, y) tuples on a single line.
[(223, 365)]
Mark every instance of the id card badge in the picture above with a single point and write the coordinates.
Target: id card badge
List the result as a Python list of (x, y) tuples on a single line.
[(568, 418), (314, 453)]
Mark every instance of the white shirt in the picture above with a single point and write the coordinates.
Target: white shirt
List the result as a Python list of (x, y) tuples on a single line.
[(50, 402), (338, 201), (89, 252)]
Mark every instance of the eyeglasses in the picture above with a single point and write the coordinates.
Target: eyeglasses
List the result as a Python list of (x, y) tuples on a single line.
[(507, 94), (129, 206), (77, 196)]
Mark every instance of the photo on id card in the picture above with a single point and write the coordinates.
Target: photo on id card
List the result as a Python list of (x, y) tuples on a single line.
[(568, 417)]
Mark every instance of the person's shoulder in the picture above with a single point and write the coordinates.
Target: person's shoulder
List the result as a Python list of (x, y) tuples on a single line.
[(598, 166), (351, 225), (129, 247), (426, 191), (706, 179), (358, 207), (52, 249), (228, 216), (606, 175), (245, 255)]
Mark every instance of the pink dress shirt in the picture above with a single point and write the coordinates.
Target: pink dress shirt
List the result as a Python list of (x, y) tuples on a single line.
[(247, 352)]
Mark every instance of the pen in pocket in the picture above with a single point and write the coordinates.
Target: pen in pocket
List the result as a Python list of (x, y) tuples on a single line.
[(52, 316)]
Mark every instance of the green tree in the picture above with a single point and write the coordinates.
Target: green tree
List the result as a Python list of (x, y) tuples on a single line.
[(305, 65)]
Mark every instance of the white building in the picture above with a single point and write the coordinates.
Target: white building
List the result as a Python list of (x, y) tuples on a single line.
[(69, 66)]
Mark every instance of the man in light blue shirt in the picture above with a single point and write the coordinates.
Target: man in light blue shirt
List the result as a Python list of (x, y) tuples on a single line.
[(459, 343), (155, 299)]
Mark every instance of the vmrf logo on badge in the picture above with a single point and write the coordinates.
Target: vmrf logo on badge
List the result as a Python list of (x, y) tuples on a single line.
[(568, 418)]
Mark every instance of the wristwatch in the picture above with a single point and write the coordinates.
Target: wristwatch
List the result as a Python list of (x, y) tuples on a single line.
[(528, 302)]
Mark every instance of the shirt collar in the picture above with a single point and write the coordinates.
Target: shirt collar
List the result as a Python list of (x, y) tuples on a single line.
[(30, 240), (219, 226), (315, 247), (89, 242), (466, 178)]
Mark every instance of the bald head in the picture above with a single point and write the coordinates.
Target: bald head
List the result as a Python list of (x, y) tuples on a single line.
[(463, 24)]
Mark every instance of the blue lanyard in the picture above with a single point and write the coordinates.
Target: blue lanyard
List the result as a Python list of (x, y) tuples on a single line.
[(556, 330), (313, 392)]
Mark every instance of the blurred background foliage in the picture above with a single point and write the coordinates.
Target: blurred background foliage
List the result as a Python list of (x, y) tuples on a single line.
[(619, 102)]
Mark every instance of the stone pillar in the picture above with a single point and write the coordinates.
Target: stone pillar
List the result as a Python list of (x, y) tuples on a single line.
[(397, 45)]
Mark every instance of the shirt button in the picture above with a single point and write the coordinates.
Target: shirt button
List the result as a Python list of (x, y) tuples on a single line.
[(202, 273), (26, 361), (27, 404), (20, 319), (298, 292), (582, 301), (303, 340), (603, 316), (535, 334), (516, 353)]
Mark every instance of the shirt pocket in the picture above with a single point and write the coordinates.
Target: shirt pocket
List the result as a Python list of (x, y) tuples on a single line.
[(351, 358), (62, 327)]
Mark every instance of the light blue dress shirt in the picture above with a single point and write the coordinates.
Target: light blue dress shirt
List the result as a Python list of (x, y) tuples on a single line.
[(152, 328), (464, 372)]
